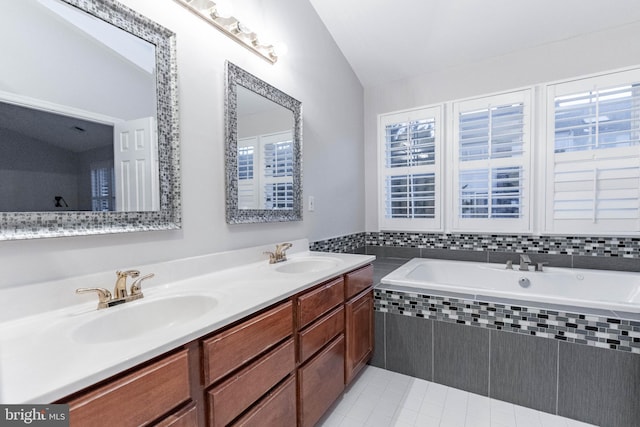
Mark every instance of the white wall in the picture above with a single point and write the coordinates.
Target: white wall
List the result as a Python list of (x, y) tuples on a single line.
[(314, 72), (601, 51)]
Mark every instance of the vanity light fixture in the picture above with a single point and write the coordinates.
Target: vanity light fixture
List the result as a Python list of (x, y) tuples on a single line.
[(231, 26)]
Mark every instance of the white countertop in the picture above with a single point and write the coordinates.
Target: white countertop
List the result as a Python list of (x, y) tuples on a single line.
[(41, 361)]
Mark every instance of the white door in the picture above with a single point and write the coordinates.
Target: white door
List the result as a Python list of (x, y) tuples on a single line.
[(136, 165)]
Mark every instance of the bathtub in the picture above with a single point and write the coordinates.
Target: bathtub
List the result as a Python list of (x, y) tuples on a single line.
[(566, 287)]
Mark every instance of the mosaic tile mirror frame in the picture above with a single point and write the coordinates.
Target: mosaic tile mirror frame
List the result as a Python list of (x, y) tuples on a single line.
[(30, 225)]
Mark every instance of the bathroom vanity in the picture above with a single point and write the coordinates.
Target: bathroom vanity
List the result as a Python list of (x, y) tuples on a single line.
[(287, 340)]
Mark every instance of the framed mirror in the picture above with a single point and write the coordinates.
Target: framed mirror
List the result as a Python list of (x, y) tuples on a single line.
[(88, 121), (263, 151)]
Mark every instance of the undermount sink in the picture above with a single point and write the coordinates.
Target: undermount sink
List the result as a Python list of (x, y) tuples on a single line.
[(129, 321), (307, 265)]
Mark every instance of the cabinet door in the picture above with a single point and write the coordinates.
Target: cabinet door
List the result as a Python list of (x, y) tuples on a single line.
[(320, 382), (359, 331), (137, 398)]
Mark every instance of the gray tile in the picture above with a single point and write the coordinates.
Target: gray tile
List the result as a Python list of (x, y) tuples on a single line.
[(461, 357), (524, 370), (553, 260), (408, 345), (377, 359), (599, 386), (607, 263), (478, 256), (401, 252)]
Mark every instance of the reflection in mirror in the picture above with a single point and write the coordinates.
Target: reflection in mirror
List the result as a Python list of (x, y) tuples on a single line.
[(263, 153), (88, 120)]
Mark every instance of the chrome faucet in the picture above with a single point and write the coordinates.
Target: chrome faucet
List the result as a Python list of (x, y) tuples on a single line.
[(120, 295), (524, 262), (280, 253)]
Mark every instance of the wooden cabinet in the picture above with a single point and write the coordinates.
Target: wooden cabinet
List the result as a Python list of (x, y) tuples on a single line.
[(234, 347), (244, 388), (140, 397), (358, 320), (320, 349), (284, 366), (315, 303), (359, 332), (277, 409), (320, 382)]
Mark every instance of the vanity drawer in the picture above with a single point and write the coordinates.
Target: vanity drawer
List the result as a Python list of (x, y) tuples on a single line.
[(320, 382), (164, 385), (314, 304), (235, 395), (186, 417), (358, 280), (231, 349), (277, 409), (314, 337)]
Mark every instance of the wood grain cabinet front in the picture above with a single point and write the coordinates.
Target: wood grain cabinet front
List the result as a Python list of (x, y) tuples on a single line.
[(277, 409), (315, 303), (359, 332), (236, 394), (138, 398), (234, 347), (320, 382), (358, 280), (319, 333)]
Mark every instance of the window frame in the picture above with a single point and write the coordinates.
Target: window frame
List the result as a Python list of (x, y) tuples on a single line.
[(573, 226), (523, 224), (434, 112)]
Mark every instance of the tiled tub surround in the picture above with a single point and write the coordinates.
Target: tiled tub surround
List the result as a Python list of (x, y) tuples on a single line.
[(537, 357), (606, 253)]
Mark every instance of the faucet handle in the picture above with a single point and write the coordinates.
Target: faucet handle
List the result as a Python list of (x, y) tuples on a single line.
[(272, 257), (540, 266), (104, 296), (136, 289)]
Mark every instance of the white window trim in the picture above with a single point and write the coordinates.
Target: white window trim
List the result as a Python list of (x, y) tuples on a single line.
[(522, 225), (541, 134), (623, 227), (422, 224)]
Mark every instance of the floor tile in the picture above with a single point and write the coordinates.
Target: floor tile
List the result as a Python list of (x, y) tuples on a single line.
[(381, 398)]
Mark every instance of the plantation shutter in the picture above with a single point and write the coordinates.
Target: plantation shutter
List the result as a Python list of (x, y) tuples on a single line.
[(593, 154), (492, 163), (247, 179), (410, 163), (277, 171)]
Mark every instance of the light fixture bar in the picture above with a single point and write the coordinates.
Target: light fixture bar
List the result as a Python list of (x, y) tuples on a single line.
[(231, 26)]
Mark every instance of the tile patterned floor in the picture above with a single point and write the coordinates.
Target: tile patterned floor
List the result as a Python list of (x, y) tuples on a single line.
[(381, 398)]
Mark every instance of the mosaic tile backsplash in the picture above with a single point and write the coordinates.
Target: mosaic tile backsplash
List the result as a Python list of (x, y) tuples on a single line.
[(625, 247), (611, 333)]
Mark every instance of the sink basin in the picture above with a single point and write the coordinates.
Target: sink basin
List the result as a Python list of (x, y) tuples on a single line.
[(307, 265), (131, 320)]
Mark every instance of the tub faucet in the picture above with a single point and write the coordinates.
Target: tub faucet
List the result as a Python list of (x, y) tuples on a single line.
[(524, 262)]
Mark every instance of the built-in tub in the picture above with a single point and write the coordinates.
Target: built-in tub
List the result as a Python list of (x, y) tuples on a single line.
[(595, 289)]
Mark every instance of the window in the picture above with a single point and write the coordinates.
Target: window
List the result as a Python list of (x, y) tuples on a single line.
[(593, 155), (410, 163), (491, 163), (265, 171), (103, 198)]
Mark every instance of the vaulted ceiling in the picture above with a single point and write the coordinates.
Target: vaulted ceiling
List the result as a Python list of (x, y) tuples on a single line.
[(387, 40)]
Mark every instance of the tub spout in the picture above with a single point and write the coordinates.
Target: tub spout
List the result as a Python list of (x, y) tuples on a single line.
[(524, 262)]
